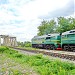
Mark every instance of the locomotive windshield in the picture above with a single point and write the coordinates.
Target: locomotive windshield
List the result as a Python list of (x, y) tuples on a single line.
[(72, 31), (47, 38)]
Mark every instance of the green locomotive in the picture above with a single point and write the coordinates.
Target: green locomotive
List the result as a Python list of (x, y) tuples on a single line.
[(50, 41), (65, 41), (68, 40)]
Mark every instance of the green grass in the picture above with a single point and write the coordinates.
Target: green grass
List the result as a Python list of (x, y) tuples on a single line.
[(29, 48), (40, 64), (9, 64)]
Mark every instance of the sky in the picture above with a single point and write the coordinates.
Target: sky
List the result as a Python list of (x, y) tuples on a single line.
[(20, 18)]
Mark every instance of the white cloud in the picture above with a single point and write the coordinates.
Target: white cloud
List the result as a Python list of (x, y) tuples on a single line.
[(40, 7), (21, 17)]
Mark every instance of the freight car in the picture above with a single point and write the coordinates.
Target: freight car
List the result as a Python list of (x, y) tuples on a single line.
[(50, 41)]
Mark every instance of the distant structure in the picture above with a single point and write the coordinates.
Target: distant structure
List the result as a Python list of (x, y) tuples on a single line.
[(8, 41)]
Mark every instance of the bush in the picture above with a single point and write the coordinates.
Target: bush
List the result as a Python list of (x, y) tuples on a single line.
[(39, 56), (3, 48), (28, 44), (18, 55)]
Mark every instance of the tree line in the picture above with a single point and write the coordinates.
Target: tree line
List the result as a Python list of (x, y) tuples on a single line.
[(62, 24), (24, 44)]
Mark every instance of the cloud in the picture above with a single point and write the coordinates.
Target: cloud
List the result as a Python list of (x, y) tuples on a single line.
[(67, 10), (4, 2), (21, 18), (13, 11)]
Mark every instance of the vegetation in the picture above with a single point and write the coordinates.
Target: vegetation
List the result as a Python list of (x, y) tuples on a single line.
[(60, 25), (65, 24), (24, 44), (42, 65), (46, 27), (29, 48), (10, 63)]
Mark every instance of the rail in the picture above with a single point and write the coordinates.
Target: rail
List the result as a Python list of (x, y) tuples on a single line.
[(54, 53)]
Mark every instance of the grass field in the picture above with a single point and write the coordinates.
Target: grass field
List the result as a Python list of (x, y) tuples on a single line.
[(14, 63), (29, 48)]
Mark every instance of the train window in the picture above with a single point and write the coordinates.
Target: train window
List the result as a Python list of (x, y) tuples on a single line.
[(47, 38), (72, 31), (71, 35)]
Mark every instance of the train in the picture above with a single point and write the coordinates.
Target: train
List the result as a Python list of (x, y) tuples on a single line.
[(55, 41)]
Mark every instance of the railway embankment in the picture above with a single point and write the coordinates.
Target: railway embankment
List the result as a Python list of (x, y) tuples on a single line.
[(54, 53)]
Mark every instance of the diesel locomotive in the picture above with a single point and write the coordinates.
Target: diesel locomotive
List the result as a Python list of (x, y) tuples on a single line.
[(68, 40), (56, 41)]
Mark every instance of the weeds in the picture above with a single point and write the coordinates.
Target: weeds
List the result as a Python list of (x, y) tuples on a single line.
[(42, 65), (2, 49)]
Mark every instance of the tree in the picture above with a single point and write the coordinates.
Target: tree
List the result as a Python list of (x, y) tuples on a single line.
[(50, 27), (65, 24), (42, 27), (28, 44), (24, 44), (72, 23), (46, 27)]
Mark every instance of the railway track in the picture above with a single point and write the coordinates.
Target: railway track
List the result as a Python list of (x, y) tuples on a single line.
[(53, 53)]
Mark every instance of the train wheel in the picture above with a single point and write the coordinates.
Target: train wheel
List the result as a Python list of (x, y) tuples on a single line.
[(72, 49), (47, 47), (66, 48), (52, 47)]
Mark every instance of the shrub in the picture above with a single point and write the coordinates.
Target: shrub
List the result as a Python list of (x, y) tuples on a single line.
[(18, 55), (3, 48), (39, 56)]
